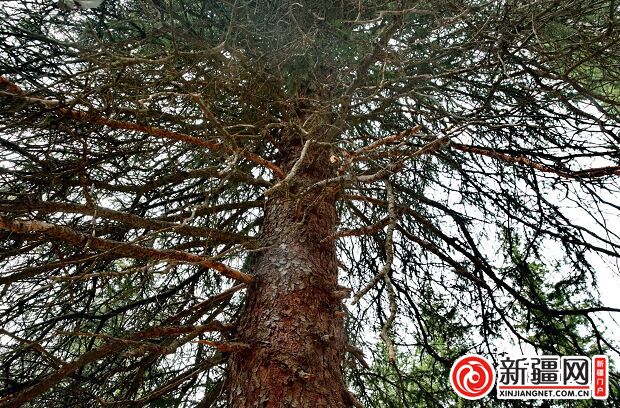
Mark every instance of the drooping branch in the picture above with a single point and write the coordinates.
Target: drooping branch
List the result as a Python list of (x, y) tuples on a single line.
[(126, 249), (114, 345), (523, 160), (96, 118), (386, 275), (127, 219)]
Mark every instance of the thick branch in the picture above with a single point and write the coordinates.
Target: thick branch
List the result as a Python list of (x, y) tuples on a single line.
[(126, 218), (126, 249), (521, 159), (95, 118)]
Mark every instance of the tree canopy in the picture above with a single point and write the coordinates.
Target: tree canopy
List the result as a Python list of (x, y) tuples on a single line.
[(473, 152)]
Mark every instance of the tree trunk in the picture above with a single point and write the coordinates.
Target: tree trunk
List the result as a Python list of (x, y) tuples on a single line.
[(292, 319)]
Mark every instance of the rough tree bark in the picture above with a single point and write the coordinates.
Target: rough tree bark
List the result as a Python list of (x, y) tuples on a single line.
[(292, 319)]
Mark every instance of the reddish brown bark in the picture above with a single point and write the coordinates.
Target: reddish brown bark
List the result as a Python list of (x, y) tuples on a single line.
[(291, 318)]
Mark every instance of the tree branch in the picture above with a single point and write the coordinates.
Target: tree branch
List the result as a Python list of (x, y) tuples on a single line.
[(95, 118), (521, 159), (126, 249)]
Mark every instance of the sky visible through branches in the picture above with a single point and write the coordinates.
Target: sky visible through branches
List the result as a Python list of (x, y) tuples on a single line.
[(469, 151)]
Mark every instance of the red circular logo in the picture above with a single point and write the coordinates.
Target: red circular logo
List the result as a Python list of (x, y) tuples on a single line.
[(472, 376)]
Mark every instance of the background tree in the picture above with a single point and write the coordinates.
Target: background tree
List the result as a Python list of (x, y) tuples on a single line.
[(190, 190)]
